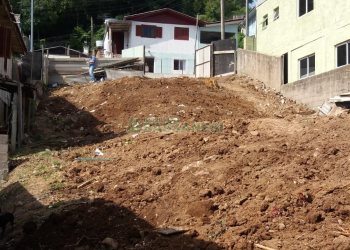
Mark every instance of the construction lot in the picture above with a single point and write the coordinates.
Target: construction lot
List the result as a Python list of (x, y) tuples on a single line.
[(226, 163)]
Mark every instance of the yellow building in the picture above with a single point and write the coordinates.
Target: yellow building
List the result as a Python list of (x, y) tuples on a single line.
[(312, 36)]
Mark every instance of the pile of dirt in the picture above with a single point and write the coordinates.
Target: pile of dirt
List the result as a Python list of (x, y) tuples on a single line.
[(229, 162)]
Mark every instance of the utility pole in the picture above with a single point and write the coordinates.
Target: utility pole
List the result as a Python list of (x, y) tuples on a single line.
[(32, 26), (195, 45), (222, 20), (247, 18), (92, 33)]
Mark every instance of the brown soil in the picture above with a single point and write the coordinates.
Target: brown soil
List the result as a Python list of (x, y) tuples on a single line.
[(233, 164)]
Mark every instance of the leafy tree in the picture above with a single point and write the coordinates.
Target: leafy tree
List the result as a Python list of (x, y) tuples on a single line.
[(79, 37), (62, 18)]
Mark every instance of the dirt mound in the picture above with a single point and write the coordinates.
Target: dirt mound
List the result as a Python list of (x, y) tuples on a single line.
[(230, 162)]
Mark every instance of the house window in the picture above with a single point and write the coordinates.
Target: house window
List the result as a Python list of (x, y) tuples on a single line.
[(181, 33), (149, 31), (179, 64), (276, 13), (343, 54), (265, 21), (307, 66), (305, 6)]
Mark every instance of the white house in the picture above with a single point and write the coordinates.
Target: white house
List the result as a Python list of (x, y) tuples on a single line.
[(169, 38)]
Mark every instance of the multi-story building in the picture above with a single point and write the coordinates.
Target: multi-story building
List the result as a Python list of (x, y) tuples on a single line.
[(312, 36)]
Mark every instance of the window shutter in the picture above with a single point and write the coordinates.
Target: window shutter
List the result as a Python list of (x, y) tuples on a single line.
[(177, 33), (159, 32), (138, 30), (186, 34), (181, 33)]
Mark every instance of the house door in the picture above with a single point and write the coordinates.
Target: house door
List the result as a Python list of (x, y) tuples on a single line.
[(149, 64), (285, 68), (117, 43)]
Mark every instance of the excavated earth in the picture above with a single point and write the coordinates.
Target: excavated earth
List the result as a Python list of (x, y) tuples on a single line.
[(179, 163)]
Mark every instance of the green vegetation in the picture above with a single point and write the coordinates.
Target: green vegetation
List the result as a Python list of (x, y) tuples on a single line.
[(63, 22)]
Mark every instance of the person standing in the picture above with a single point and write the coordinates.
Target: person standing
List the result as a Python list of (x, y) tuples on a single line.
[(92, 66)]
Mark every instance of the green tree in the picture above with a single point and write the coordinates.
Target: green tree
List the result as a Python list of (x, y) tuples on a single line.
[(79, 37), (62, 17)]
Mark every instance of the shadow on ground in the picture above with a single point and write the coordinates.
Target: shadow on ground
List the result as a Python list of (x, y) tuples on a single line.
[(83, 224), (59, 124)]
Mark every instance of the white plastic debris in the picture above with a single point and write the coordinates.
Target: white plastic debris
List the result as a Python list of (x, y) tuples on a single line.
[(98, 152)]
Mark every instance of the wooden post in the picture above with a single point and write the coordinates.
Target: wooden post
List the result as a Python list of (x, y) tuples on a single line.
[(46, 68), (4, 157), (14, 124), (42, 62), (20, 115), (92, 33), (2, 114), (212, 60), (144, 60)]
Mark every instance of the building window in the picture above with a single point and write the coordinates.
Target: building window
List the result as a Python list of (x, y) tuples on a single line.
[(305, 6), (343, 54), (181, 33), (179, 64), (265, 21), (276, 13), (149, 31), (307, 66)]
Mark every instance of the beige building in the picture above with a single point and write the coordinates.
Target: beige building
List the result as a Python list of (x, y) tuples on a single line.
[(312, 36)]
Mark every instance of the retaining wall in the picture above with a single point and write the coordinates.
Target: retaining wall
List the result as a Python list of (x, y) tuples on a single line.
[(267, 69)]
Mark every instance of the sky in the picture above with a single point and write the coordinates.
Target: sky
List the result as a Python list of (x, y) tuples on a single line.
[(252, 3)]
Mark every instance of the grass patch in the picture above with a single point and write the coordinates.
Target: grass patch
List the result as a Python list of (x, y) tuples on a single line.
[(56, 186)]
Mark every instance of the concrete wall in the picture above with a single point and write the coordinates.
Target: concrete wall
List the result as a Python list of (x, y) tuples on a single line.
[(267, 69), (316, 32), (113, 74), (314, 91), (133, 52)]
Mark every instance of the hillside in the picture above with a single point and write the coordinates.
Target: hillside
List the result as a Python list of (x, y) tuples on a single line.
[(231, 163), (68, 22)]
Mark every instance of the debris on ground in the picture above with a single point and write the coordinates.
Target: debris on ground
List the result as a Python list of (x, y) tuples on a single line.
[(239, 166)]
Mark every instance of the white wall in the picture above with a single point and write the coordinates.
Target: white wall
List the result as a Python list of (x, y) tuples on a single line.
[(166, 49), (133, 52), (165, 44)]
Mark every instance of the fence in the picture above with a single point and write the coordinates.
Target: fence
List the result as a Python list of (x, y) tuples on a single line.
[(224, 56), (217, 58), (203, 61)]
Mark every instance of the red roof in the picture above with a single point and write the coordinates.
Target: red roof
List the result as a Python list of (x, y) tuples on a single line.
[(166, 15)]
